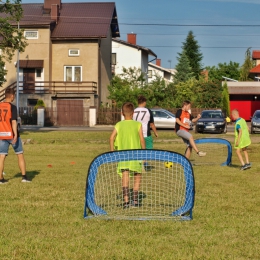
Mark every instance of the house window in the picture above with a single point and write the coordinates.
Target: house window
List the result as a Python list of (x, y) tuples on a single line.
[(31, 34), (38, 73), (32, 102), (150, 73), (72, 73), (113, 59), (73, 52)]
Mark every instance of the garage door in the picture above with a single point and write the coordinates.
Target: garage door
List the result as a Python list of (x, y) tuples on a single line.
[(70, 112)]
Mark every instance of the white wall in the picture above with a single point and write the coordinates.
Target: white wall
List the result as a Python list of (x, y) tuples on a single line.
[(126, 56)]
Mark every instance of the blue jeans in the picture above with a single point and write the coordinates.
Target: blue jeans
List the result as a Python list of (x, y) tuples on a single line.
[(4, 146)]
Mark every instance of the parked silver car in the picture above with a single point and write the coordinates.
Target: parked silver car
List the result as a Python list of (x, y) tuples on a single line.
[(255, 122), (163, 118)]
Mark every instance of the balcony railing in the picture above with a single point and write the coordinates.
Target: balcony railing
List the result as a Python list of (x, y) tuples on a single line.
[(57, 87)]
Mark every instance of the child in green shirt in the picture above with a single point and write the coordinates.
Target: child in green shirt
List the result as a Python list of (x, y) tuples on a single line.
[(242, 139), (126, 135)]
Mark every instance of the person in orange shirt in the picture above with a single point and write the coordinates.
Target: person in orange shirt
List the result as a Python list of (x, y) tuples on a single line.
[(183, 125), (9, 134)]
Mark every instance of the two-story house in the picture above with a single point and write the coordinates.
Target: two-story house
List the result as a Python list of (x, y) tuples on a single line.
[(128, 54), (156, 70), (67, 62)]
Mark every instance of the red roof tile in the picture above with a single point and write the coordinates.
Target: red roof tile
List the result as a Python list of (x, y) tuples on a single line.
[(79, 20), (256, 55), (76, 20), (255, 69)]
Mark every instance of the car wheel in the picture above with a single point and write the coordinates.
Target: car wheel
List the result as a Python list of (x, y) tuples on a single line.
[(251, 131)]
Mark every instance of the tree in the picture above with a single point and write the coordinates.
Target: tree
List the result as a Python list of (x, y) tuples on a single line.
[(192, 49), (225, 100), (230, 70), (184, 70), (131, 83), (12, 38), (248, 64), (126, 87), (185, 91), (208, 94)]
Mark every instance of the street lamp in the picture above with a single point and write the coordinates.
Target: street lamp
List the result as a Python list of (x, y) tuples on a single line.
[(170, 61)]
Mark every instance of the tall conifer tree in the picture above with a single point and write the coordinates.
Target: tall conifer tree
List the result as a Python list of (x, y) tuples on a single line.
[(184, 70), (193, 53)]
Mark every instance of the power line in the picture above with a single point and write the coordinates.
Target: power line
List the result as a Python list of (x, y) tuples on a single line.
[(211, 47), (185, 34), (192, 25)]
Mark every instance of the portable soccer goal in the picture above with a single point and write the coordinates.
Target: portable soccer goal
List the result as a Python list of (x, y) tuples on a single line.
[(219, 151), (167, 187)]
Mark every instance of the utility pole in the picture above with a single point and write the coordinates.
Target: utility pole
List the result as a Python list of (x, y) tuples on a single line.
[(17, 78)]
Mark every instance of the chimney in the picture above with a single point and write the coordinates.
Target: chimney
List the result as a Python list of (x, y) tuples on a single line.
[(131, 38), (49, 3), (158, 62), (55, 12)]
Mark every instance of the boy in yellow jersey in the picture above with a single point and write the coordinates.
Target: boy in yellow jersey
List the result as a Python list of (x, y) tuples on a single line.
[(126, 135), (242, 139)]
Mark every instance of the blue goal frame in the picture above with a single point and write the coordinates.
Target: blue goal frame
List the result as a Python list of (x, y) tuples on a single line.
[(185, 211), (218, 141)]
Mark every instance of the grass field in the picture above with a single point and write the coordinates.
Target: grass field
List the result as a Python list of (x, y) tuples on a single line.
[(44, 219)]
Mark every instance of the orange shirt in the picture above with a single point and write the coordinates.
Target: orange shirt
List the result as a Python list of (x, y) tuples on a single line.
[(185, 117), (6, 130)]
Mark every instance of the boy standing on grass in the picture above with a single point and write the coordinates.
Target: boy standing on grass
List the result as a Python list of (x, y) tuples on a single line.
[(182, 127), (128, 134), (145, 116), (9, 134), (242, 139)]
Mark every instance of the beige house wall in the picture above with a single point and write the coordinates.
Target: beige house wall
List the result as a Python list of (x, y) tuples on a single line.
[(88, 59), (37, 49)]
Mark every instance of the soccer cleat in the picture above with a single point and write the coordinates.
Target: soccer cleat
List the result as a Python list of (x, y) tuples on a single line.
[(243, 168), (126, 205), (24, 179), (201, 154), (248, 165), (3, 181), (135, 204)]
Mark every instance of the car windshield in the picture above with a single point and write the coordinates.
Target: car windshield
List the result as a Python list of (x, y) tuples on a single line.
[(170, 113), (213, 114), (257, 115), (163, 114)]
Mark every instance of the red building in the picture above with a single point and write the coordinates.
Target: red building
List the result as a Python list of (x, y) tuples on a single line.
[(244, 96)]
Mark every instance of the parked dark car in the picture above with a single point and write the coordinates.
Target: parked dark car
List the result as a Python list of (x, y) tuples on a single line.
[(255, 122), (163, 118), (211, 121)]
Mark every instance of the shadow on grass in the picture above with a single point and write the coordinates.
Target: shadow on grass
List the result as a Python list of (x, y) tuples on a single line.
[(234, 166), (30, 174)]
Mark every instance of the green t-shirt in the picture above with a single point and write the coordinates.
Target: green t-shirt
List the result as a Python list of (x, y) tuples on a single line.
[(245, 138), (128, 138)]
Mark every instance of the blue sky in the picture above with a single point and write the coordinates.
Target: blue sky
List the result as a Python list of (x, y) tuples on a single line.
[(218, 44)]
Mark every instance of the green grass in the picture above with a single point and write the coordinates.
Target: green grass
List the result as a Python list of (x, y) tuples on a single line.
[(44, 219)]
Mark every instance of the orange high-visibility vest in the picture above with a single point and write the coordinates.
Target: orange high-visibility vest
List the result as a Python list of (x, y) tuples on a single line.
[(6, 130)]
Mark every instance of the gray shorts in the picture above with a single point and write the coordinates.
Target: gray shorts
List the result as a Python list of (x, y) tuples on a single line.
[(185, 136), (4, 146)]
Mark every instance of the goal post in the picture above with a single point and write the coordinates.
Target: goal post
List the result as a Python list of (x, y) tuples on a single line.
[(167, 189), (219, 151)]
